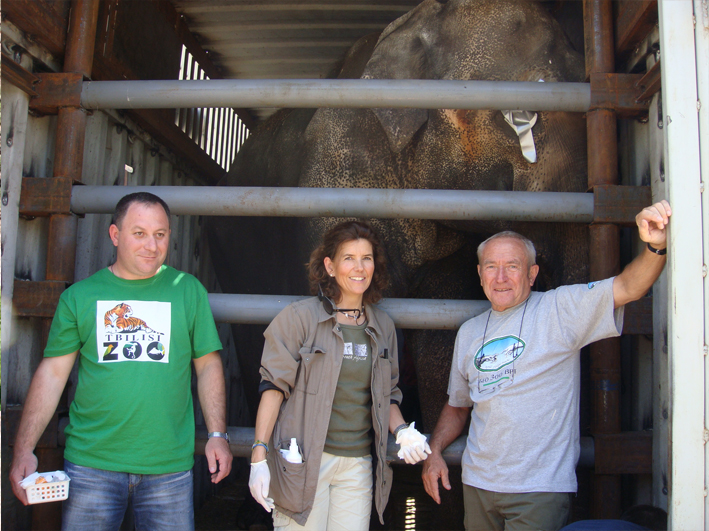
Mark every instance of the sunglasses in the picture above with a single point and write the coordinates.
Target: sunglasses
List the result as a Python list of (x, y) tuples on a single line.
[(330, 307)]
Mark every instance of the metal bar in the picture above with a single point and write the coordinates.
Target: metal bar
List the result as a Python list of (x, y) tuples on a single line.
[(423, 314), (242, 439), (406, 313), (19, 76), (365, 93), (68, 163), (604, 253), (684, 53), (349, 202), (79, 54), (42, 197)]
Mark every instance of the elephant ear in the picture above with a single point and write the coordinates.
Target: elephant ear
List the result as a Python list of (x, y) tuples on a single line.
[(401, 53)]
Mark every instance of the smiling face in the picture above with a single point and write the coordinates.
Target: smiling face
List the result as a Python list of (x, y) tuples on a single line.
[(142, 241), (504, 274), (352, 267)]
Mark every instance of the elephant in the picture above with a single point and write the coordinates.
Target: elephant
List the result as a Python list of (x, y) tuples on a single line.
[(418, 148), (505, 40)]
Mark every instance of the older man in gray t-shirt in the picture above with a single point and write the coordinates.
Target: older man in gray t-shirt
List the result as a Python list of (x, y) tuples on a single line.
[(518, 365)]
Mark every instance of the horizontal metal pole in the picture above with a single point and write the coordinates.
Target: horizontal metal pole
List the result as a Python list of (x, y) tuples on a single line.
[(243, 438), (427, 314), (315, 93), (348, 202)]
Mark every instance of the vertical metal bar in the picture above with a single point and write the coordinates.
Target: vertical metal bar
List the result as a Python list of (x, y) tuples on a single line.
[(227, 139), (222, 136), (182, 113), (214, 130), (195, 115), (190, 113), (238, 135), (200, 122), (701, 35), (230, 140), (68, 162), (683, 78), (71, 126), (605, 259), (79, 53), (216, 155), (207, 133)]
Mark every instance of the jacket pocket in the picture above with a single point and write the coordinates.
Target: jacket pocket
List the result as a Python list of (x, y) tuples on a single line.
[(288, 481), (312, 360)]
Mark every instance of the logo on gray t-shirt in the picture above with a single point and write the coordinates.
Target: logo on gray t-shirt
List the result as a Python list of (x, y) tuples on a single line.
[(496, 362)]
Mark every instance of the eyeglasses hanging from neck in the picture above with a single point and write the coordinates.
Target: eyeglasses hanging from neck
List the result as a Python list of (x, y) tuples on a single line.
[(330, 307)]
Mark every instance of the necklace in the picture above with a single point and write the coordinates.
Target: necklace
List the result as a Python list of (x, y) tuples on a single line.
[(355, 317), (519, 334)]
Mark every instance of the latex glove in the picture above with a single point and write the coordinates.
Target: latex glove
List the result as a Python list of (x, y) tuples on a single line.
[(259, 481), (414, 447)]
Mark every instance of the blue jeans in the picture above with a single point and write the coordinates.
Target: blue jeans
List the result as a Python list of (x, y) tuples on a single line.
[(98, 500)]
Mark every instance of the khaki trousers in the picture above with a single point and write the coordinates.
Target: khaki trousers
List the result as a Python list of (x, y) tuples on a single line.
[(343, 499), (498, 511)]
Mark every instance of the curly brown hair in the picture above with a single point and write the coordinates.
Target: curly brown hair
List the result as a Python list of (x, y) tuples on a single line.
[(332, 241)]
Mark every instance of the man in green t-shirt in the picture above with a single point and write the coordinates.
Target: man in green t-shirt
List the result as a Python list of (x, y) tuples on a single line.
[(136, 327)]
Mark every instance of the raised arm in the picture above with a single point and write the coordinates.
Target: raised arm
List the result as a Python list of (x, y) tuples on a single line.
[(638, 277), (212, 399), (450, 424), (42, 399)]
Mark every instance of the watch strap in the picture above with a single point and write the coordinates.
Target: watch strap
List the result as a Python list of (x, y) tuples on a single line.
[(660, 252), (220, 434)]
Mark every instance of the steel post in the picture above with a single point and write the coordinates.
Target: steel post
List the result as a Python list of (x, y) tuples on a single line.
[(604, 255), (68, 161), (71, 126), (362, 93)]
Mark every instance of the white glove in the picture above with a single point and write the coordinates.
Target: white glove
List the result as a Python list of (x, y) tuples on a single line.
[(259, 481), (414, 447)]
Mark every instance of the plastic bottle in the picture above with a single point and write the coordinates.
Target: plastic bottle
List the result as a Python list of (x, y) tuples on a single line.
[(292, 455)]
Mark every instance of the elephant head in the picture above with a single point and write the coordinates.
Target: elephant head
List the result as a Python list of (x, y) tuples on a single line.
[(506, 40)]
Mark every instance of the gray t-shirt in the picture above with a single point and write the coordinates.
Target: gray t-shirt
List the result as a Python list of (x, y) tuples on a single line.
[(524, 430)]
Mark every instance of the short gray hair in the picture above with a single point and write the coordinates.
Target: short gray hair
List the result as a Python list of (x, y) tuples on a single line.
[(529, 246)]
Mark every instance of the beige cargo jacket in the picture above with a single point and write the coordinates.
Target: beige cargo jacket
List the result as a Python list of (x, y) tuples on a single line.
[(302, 357)]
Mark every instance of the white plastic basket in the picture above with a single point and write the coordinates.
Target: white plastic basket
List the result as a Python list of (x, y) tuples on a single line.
[(48, 492)]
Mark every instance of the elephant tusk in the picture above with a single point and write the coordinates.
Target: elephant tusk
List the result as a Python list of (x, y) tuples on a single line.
[(522, 123)]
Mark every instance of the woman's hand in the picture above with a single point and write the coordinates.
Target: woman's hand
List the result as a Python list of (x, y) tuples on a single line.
[(259, 482), (413, 445)]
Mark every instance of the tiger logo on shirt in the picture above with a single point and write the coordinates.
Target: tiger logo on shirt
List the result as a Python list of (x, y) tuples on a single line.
[(120, 320)]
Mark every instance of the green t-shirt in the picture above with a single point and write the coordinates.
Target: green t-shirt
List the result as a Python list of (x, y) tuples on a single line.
[(133, 407), (348, 434)]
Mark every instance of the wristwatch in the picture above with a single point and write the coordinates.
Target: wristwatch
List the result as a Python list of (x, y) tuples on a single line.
[(220, 434)]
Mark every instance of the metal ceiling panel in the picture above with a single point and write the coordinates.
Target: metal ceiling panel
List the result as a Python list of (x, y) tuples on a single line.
[(284, 39)]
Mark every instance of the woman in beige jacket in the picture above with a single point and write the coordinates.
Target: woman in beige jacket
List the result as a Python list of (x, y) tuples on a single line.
[(329, 394)]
